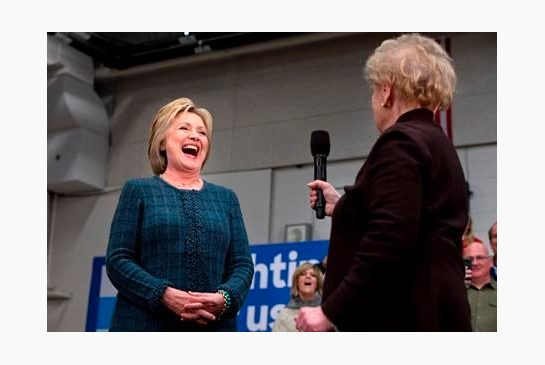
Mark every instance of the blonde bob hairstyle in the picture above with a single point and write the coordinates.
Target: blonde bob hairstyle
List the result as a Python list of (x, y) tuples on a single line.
[(160, 125), (417, 67), (299, 271)]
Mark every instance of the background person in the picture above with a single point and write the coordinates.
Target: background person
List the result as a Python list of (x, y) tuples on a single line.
[(306, 291), (178, 252), (482, 289), (493, 239)]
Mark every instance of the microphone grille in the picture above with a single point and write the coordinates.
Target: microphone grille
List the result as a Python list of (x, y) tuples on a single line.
[(319, 143)]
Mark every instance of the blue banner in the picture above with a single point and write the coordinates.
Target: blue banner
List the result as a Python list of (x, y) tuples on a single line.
[(274, 265)]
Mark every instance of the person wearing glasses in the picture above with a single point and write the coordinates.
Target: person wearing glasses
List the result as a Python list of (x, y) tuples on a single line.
[(482, 289)]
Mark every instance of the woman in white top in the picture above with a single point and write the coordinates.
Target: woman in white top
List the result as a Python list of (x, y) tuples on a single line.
[(306, 291)]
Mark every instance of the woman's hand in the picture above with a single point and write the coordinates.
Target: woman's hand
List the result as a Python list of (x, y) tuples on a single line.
[(331, 195), (187, 306), (211, 302)]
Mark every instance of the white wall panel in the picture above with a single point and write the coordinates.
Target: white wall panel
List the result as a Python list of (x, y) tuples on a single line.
[(253, 189), (82, 227), (482, 162)]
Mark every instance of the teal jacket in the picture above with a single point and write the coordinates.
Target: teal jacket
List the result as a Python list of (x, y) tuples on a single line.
[(191, 240)]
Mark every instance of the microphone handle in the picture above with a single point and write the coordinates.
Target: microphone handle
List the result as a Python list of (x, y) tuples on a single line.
[(320, 173), (320, 204)]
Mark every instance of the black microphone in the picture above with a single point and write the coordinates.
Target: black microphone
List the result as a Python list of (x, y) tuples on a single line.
[(319, 147)]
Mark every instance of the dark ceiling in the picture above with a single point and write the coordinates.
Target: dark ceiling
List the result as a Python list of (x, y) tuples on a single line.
[(124, 50)]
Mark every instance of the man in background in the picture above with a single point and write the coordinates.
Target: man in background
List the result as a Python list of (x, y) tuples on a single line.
[(482, 290)]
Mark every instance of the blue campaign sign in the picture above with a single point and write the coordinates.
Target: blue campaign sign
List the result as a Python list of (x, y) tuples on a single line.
[(101, 298), (270, 291)]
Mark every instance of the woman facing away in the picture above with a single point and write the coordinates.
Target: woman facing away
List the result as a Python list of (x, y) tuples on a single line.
[(395, 253)]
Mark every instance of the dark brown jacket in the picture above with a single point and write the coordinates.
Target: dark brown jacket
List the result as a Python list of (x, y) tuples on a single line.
[(394, 261)]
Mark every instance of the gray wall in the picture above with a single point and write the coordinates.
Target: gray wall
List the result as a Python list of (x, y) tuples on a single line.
[(265, 103)]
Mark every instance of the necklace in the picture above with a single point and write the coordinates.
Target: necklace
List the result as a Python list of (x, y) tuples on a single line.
[(196, 183)]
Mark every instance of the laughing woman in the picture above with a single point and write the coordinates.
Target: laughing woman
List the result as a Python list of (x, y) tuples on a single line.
[(306, 291), (178, 252)]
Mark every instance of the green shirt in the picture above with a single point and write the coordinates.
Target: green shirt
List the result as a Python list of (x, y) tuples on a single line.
[(484, 306)]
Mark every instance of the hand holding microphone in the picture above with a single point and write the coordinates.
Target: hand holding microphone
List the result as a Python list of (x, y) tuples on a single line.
[(330, 194)]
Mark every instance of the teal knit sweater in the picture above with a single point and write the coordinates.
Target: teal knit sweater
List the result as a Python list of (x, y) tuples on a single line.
[(187, 239)]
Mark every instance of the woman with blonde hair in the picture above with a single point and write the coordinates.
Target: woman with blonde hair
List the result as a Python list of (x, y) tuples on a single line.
[(394, 260), (178, 252), (306, 291)]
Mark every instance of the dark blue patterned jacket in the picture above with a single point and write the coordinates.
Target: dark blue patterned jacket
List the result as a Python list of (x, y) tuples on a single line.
[(187, 239)]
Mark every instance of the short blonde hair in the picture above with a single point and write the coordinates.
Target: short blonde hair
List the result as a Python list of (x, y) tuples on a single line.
[(160, 125), (417, 67), (299, 271)]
